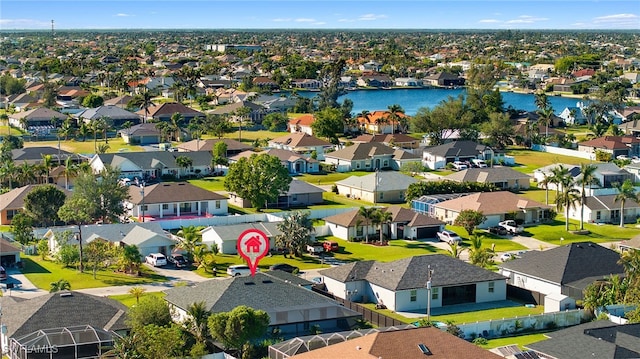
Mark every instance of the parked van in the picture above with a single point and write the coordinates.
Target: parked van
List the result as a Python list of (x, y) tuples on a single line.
[(479, 163)]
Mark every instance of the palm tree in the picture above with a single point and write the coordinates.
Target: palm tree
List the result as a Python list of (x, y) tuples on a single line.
[(127, 125), (47, 165), (567, 199), (70, 169), (367, 214), (144, 101), (546, 115), (559, 176), (626, 191), (130, 259), (196, 322), (383, 217), (137, 292), (84, 130), (394, 116), (545, 182), (241, 113), (541, 100), (184, 162), (587, 178), (60, 285), (455, 250), (176, 121), (365, 115), (190, 239)]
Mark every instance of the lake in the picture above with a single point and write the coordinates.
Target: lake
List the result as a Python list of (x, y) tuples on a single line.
[(413, 99)]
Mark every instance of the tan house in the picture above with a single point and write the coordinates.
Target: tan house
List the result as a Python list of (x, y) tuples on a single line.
[(378, 187), (501, 177), (233, 147), (12, 202), (301, 143)]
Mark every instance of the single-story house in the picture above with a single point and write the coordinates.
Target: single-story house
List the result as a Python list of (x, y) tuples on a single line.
[(496, 207), (368, 157), (299, 194), (405, 223), (120, 101), (615, 145), (443, 79), (502, 177), (174, 199), (597, 339), (118, 116), (567, 269), (154, 164), (605, 209), (423, 342), (141, 134), (573, 115), (164, 111), (226, 236), (292, 309), (65, 321), (234, 147), (302, 124), (401, 285), (9, 252), (607, 174), (380, 186), (12, 202), (302, 143), (36, 118), (292, 161), (436, 157), (34, 155), (392, 140)]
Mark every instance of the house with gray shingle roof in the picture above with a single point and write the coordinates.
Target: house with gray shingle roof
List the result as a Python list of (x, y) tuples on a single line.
[(405, 223), (154, 164), (565, 270), (164, 111), (9, 252), (226, 237), (233, 146), (294, 162), (402, 285), (300, 194), (436, 157), (499, 176), (368, 157), (292, 309), (118, 116), (40, 116), (141, 134), (605, 209), (380, 186)]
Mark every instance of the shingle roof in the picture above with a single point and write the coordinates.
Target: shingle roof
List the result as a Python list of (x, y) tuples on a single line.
[(487, 175), (34, 154), (209, 144), (146, 160), (40, 113), (457, 148), (379, 181), (568, 263), (111, 111), (399, 215), (304, 120), (607, 202), (168, 109), (113, 232), (57, 310), (14, 199), (300, 139), (611, 142), (7, 247), (385, 138), (234, 230), (302, 187), (411, 273), (598, 339), (361, 151), (262, 292), (172, 192), (490, 203), (142, 129), (283, 155)]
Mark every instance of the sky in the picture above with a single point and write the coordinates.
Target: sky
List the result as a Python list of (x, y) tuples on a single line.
[(320, 14)]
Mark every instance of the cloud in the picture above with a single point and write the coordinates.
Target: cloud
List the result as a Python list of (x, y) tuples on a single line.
[(304, 20), (123, 15), (489, 21), (526, 19), (618, 19), (371, 17), (23, 24)]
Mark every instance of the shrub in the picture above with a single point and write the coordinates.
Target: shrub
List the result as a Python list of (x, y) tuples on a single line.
[(334, 189), (480, 341)]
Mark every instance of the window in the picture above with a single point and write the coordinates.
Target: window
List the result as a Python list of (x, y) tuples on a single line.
[(385, 163), (434, 293), (598, 215), (359, 231), (381, 196), (491, 287), (414, 295), (185, 207), (11, 213), (165, 206), (294, 198), (144, 207), (217, 204), (358, 165)]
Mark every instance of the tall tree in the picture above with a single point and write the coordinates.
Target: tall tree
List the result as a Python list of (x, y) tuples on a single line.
[(367, 213), (22, 228), (587, 178), (184, 162), (219, 157), (545, 116), (237, 328), (330, 75), (104, 193), (151, 310), (567, 198), (626, 191), (259, 178), (42, 204), (75, 210), (395, 114), (97, 253), (190, 238), (383, 217), (469, 219), (197, 322), (296, 231), (328, 124), (144, 100)]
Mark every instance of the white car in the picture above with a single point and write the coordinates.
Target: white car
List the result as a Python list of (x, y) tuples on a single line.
[(449, 237), (156, 259), (238, 270), (507, 257), (459, 166)]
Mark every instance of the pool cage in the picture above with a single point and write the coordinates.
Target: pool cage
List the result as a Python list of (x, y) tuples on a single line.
[(75, 342)]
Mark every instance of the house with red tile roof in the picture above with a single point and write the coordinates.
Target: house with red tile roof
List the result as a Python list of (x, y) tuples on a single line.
[(379, 122), (615, 145), (302, 124)]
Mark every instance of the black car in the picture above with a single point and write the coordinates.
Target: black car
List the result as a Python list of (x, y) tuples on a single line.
[(284, 267), (499, 230), (178, 260)]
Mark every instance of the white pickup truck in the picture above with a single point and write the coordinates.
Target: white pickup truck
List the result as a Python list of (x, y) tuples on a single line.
[(511, 226), (315, 248)]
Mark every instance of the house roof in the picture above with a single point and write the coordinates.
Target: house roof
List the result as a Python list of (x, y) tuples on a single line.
[(168, 109), (119, 101), (260, 292), (607, 202), (61, 309), (379, 181), (300, 139), (233, 231), (232, 107), (458, 149), (488, 175), (167, 192), (34, 154), (153, 159), (634, 242), (282, 155), (568, 263), (40, 113), (111, 111), (598, 339), (7, 247), (209, 144), (385, 138), (611, 142), (490, 203), (113, 232), (14, 199), (401, 344), (302, 187), (138, 236), (304, 120), (361, 151), (142, 129), (399, 215), (375, 116), (411, 273)]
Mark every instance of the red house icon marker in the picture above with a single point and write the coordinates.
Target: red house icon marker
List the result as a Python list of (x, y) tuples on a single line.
[(253, 244)]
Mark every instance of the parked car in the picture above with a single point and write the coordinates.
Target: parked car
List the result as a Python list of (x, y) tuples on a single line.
[(497, 230), (178, 260), (449, 237), (459, 166), (315, 248), (479, 163), (507, 257), (156, 259), (330, 246), (238, 270), (511, 226), (285, 267)]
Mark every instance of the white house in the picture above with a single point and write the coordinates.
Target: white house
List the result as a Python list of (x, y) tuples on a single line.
[(226, 237)]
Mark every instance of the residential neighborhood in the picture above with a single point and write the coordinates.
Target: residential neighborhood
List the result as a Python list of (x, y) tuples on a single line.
[(255, 194)]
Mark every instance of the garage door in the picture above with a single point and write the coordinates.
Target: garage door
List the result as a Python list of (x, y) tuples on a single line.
[(427, 232)]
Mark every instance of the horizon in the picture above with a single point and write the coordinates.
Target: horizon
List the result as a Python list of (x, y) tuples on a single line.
[(356, 15)]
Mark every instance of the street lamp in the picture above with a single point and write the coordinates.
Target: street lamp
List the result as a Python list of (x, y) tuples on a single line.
[(429, 274)]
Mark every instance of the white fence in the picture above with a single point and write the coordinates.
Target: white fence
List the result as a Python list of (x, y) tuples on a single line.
[(506, 326), (564, 151)]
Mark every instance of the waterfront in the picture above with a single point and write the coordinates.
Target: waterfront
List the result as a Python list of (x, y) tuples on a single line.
[(413, 99)]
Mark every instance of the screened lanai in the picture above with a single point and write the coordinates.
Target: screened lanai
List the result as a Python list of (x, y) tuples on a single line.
[(76, 342)]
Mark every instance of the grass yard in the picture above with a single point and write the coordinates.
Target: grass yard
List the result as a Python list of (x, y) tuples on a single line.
[(488, 239), (330, 178), (213, 184), (527, 160), (130, 301), (225, 260), (43, 273), (115, 145), (397, 249), (553, 231), (5, 228), (6, 130), (520, 340)]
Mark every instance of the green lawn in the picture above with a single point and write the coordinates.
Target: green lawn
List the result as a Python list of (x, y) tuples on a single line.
[(397, 249), (6, 130), (130, 301), (488, 240), (88, 146), (527, 160), (5, 228), (330, 178), (225, 260), (521, 341), (210, 183), (43, 273), (553, 231)]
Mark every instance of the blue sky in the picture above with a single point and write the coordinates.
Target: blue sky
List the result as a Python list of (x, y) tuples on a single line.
[(320, 14)]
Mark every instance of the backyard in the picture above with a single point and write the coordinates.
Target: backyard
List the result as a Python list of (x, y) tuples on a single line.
[(396, 249)]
